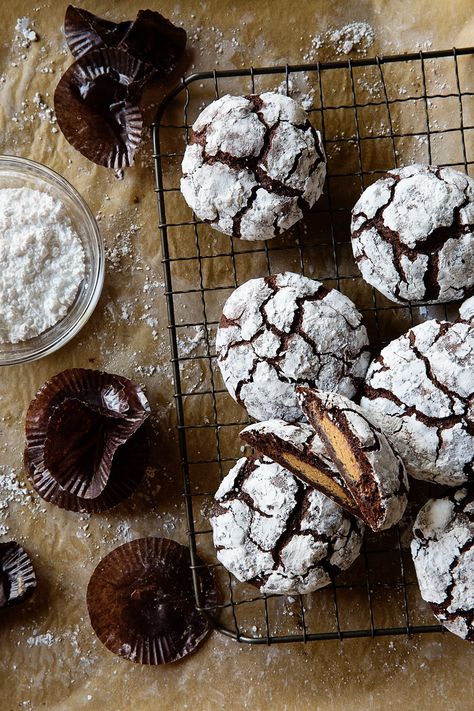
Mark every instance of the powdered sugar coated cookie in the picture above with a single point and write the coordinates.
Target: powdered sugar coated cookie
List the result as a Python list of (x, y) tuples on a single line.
[(443, 554), (277, 533), (413, 234), (254, 164), (283, 330), (420, 392)]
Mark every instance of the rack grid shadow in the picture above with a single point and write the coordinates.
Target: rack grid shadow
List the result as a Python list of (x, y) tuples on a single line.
[(374, 114)]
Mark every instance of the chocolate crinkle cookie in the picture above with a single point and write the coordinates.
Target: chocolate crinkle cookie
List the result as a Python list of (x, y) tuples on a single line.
[(277, 533), (443, 554), (373, 473), (283, 330), (420, 391), (413, 234), (298, 447), (254, 164)]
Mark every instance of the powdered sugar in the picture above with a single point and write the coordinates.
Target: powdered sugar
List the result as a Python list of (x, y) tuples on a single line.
[(418, 391), (42, 263), (253, 163)]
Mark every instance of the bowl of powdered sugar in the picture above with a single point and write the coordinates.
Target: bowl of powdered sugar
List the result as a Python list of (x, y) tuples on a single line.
[(51, 261)]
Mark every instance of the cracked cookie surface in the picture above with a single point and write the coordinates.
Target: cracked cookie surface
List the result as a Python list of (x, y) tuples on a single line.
[(420, 392), (273, 531), (443, 554), (373, 472), (285, 330), (254, 164), (413, 234)]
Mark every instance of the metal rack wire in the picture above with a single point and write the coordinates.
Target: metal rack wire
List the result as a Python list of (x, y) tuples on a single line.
[(374, 114)]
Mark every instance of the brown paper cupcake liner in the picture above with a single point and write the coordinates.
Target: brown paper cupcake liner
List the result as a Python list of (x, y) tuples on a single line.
[(17, 576), (84, 31), (128, 469), (155, 40), (141, 601), (96, 105), (77, 428), (150, 37)]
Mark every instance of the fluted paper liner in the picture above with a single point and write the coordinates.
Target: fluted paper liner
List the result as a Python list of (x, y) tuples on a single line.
[(96, 105), (83, 451), (17, 576), (84, 31), (141, 601)]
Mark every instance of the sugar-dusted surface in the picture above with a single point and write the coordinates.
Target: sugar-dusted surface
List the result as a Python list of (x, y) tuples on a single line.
[(442, 550), (286, 330), (419, 390), (42, 262), (276, 532), (255, 163), (413, 234)]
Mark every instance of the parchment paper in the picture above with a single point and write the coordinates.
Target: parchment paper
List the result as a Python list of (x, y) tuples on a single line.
[(50, 657)]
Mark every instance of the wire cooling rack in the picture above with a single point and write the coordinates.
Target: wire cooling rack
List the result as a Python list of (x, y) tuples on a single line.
[(374, 114)]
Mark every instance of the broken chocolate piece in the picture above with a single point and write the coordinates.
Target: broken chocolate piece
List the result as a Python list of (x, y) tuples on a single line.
[(83, 449), (17, 577), (96, 105), (84, 31), (374, 473), (299, 448), (141, 601)]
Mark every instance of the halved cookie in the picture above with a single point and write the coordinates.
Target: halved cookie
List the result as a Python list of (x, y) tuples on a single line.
[(374, 473), (299, 448)]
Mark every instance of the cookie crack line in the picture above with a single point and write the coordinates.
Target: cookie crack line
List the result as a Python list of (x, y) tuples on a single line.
[(408, 410)]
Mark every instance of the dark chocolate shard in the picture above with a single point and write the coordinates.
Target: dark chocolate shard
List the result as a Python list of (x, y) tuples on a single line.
[(84, 31), (17, 577), (83, 449), (154, 39), (141, 601), (96, 105)]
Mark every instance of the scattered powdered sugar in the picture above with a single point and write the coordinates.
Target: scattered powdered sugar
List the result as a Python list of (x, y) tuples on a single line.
[(356, 35), (42, 263), (25, 32), (42, 640)]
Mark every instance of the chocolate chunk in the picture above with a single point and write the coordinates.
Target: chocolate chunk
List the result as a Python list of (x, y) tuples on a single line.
[(141, 601), (96, 105), (83, 449), (85, 31), (17, 577)]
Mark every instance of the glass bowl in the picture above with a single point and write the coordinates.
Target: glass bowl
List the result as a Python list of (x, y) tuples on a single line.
[(20, 172)]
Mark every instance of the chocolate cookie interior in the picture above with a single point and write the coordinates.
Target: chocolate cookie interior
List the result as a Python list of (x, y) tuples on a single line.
[(302, 462), (141, 601), (347, 455)]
